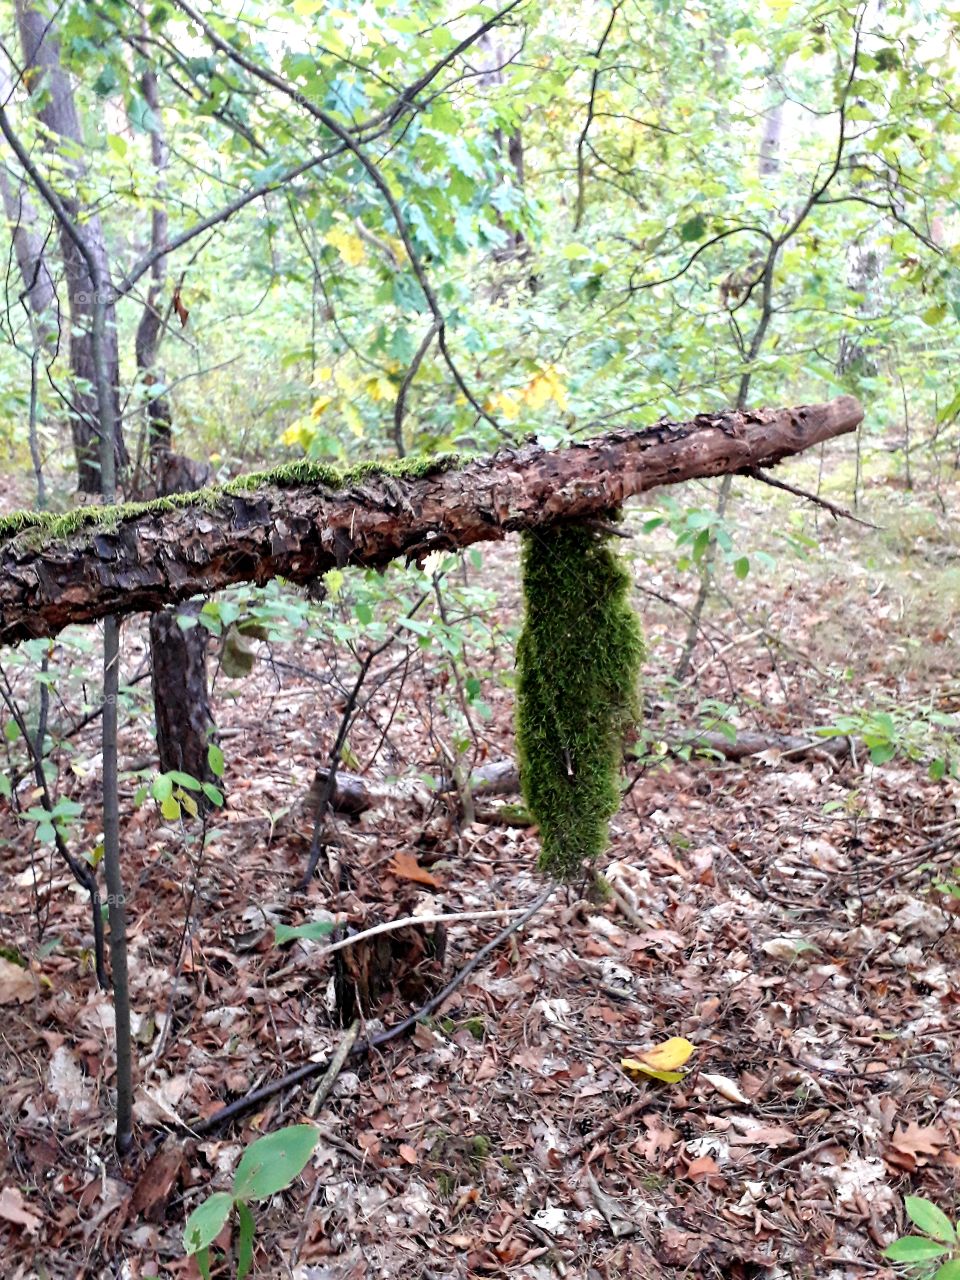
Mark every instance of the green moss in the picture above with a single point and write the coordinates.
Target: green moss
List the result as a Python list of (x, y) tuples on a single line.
[(51, 527), (578, 659)]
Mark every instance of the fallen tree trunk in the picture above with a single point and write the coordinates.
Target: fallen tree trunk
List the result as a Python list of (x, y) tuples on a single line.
[(303, 520), (353, 794)]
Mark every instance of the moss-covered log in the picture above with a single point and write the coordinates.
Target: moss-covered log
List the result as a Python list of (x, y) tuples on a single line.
[(301, 520)]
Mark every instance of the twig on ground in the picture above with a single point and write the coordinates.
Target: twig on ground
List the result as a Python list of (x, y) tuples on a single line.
[(334, 1069), (612, 1122)]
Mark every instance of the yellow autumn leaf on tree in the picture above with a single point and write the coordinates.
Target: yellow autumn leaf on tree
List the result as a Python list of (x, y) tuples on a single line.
[(348, 245), (298, 433), (381, 388), (506, 404), (320, 406), (546, 386), (661, 1062)]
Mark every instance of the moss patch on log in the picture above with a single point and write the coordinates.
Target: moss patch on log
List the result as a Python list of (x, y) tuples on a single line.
[(49, 526), (578, 657)]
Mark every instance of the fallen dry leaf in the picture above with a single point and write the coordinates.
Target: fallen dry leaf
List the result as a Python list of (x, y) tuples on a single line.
[(726, 1087), (13, 1209), (17, 985), (771, 1135), (702, 1167), (914, 1144), (406, 867)]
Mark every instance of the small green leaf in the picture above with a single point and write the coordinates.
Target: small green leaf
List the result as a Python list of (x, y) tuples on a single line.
[(694, 228), (913, 1249), (10, 731), (364, 614), (741, 567), (213, 794), (272, 1163), (184, 780), (949, 1271), (314, 930), (207, 1221), (930, 1219), (215, 760), (170, 809), (162, 787)]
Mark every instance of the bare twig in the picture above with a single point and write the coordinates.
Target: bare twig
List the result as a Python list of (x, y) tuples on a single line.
[(837, 512)]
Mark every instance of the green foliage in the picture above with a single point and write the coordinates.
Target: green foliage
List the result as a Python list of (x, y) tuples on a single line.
[(175, 791), (936, 1254), (267, 1166), (578, 658)]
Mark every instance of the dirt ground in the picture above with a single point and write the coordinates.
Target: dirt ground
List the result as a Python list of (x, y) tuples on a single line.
[(780, 913)]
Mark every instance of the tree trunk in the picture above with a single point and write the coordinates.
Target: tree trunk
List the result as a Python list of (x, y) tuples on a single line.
[(39, 291), (56, 109), (181, 698), (302, 521)]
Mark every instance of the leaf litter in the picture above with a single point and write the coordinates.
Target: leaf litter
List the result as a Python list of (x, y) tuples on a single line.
[(777, 916)]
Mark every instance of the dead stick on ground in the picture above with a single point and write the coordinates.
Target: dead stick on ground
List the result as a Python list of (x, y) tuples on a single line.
[(334, 1069), (608, 1126), (387, 926)]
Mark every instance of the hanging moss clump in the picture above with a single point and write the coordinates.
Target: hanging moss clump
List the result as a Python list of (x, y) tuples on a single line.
[(578, 661)]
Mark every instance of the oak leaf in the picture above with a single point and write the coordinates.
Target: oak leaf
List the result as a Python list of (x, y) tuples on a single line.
[(406, 867)]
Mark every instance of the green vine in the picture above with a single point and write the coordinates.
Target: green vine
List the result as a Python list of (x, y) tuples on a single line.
[(578, 658)]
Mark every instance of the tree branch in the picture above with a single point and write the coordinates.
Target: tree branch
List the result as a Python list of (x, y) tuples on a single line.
[(303, 520)]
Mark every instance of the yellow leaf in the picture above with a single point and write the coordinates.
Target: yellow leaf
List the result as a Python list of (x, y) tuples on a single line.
[(348, 245), (506, 404), (669, 1055), (546, 386), (380, 388), (631, 1064), (321, 375), (661, 1062), (298, 433), (353, 420), (320, 405)]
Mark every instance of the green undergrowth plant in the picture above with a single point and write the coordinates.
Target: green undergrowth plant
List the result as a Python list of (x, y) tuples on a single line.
[(935, 1255), (267, 1166), (578, 658)]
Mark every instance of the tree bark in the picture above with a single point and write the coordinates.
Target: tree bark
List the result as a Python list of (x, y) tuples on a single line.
[(126, 561), (56, 109), (181, 697)]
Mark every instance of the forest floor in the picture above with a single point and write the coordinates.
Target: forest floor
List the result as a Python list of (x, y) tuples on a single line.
[(778, 913)]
